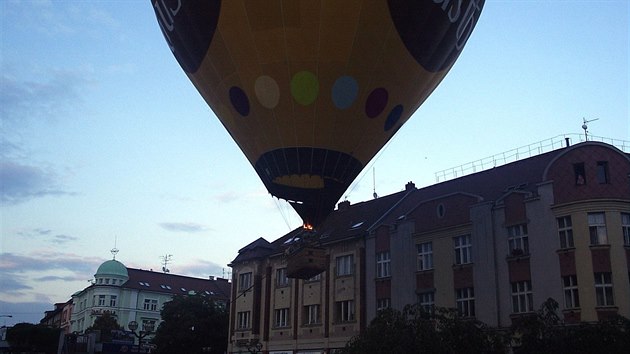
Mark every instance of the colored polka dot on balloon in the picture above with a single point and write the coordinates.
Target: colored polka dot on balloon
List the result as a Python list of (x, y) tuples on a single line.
[(393, 117), (344, 92), (376, 102), (267, 91), (304, 87), (239, 100)]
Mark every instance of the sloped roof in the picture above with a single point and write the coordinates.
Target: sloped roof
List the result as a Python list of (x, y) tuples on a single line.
[(173, 284), (346, 222)]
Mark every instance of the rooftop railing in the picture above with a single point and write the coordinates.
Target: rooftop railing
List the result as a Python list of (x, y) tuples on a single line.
[(524, 152)]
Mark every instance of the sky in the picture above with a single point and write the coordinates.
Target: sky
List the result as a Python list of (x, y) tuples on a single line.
[(106, 144)]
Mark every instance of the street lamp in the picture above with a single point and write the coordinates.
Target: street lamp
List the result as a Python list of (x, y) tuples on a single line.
[(147, 328)]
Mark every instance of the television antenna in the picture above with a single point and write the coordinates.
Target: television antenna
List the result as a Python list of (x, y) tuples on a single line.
[(166, 259), (115, 250), (585, 127), (374, 183)]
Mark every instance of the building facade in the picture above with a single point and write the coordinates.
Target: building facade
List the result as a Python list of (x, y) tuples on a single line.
[(495, 245), (130, 294)]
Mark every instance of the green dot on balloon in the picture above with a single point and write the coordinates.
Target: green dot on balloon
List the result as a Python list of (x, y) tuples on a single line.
[(304, 87)]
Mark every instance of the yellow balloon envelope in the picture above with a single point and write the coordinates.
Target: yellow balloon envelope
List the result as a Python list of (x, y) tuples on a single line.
[(311, 90)]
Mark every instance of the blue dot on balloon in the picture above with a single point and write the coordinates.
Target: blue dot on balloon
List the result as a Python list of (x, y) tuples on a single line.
[(344, 92), (393, 117), (239, 100)]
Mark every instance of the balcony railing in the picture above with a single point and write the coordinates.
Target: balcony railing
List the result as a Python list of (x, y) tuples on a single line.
[(524, 152)]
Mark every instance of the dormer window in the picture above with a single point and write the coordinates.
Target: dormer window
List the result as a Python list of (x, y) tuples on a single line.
[(580, 176), (602, 172)]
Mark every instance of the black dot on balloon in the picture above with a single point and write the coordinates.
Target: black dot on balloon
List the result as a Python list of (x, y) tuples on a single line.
[(393, 117), (239, 100)]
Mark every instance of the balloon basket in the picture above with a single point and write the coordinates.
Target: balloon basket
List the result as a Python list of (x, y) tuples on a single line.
[(306, 263)]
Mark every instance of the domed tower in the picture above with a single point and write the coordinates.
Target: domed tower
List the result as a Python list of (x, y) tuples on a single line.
[(111, 272)]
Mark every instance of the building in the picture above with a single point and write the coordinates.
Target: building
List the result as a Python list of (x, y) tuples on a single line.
[(138, 295), (59, 317), (494, 244)]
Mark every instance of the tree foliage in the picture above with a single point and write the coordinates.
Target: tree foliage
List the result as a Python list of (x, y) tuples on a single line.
[(191, 323), (106, 324), (28, 337), (416, 331), (545, 332)]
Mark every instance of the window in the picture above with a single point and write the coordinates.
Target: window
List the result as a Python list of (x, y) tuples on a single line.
[(578, 170), (344, 311), (101, 300), (426, 301), (382, 264), (344, 265), (425, 256), (604, 289), (281, 317), (625, 226), (244, 281), (463, 246), (597, 228), (318, 277), (382, 304), (311, 314), (522, 297), (565, 232), (518, 242), (112, 300), (148, 324), (150, 304), (465, 299), (571, 294), (106, 280), (242, 320), (602, 172), (281, 277)]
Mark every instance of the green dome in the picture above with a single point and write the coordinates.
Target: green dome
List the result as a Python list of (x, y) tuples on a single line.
[(112, 268)]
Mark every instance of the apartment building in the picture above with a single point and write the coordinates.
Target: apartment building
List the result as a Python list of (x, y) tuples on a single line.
[(494, 244)]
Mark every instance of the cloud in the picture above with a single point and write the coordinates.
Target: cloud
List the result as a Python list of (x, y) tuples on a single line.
[(58, 278), (203, 269), (20, 183), (21, 100), (11, 263), (61, 239), (188, 227), (29, 312)]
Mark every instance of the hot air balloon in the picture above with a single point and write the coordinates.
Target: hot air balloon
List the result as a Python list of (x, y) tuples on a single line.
[(312, 90)]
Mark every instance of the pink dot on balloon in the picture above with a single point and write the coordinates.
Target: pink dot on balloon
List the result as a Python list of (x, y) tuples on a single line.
[(376, 102)]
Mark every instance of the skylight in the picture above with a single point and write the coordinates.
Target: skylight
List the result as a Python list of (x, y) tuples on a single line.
[(357, 225)]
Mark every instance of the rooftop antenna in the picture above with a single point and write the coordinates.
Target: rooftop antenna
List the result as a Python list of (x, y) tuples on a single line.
[(374, 183), (166, 259), (585, 127), (115, 250)]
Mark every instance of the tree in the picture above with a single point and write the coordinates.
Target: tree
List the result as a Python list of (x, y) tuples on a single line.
[(416, 331), (28, 337), (191, 323), (106, 324), (545, 332)]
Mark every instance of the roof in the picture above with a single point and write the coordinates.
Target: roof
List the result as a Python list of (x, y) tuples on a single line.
[(173, 284), (346, 222), (112, 268), (358, 220)]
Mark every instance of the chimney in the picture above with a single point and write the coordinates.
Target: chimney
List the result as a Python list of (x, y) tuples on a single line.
[(409, 186), (211, 277), (567, 140), (343, 205)]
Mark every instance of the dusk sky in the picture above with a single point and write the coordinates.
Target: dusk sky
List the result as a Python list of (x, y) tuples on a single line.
[(106, 143)]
